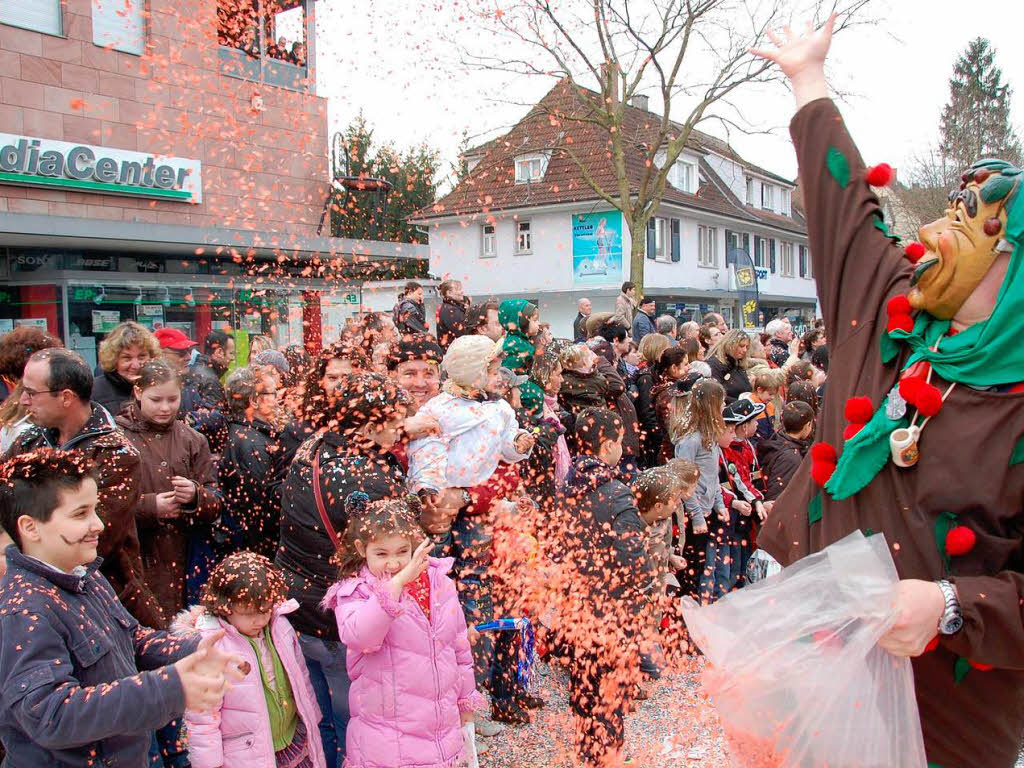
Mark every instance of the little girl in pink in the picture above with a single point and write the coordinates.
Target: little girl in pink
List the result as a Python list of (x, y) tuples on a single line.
[(408, 652), (270, 719)]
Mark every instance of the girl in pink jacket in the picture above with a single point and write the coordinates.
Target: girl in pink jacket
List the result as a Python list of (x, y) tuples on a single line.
[(408, 652), (269, 719)]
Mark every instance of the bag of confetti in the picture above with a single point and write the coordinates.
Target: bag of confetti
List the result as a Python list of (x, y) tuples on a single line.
[(794, 669)]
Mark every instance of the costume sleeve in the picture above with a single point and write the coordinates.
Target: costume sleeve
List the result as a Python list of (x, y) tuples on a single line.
[(855, 264), (54, 710), (993, 631)]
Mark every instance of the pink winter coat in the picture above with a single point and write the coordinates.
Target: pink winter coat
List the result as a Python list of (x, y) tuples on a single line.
[(410, 678), (238, 734)]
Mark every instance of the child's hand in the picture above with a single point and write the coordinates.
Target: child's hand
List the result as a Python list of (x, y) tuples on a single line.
[(421, 425), (466, 717), (167, 506), (743, 507), (524, 442), (473, 635), (761, 510), (723, 514), (677, 562), (184, 490), (415, 566), (700, 527)]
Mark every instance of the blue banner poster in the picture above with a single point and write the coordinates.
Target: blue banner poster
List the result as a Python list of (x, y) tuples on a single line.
[(597, 248)]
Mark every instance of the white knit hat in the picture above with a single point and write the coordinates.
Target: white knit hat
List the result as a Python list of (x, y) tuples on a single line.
[(467, 359)]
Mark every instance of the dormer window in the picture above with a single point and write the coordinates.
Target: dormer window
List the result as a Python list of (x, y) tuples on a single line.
[(531, 168), (682, 175), (767, 197)]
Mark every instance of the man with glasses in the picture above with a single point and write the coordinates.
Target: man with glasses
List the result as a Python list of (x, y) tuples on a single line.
[(56, 388)]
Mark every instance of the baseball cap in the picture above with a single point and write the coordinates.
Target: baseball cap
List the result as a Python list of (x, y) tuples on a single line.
[(172, 338)]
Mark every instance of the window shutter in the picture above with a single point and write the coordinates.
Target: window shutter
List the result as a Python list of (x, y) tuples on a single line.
[(676, 250), (38, 15), (117, 24), (651, 239), (771, 250), (803, 262), (757, 251)]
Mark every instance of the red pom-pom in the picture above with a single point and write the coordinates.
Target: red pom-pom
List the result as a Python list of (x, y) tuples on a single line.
[(851, 430), (932, 644), (960, 540), (879, 175), (900, 323), (898, 305), (821, 471), (914, 251), (910, 388), (980, 666), (929, 400), (859, 410), (824, 452)]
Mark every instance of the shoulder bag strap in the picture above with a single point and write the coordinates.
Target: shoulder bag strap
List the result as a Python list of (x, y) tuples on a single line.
[(319, 498)]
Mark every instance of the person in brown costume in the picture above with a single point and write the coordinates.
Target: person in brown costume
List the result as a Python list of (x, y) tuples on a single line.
[(931, 329)]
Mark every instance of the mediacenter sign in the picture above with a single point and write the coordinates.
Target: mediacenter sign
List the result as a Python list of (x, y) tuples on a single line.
[(59, 165)]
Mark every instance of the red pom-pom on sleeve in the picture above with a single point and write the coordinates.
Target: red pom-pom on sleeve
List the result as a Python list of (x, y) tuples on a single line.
[(914, 251), (981, 666), (879, 175), (851, 430), (859, 410), (960, 540), (821, 471), (824, 452), (898, 305), (929, 400), (910, 388), (901, 323)]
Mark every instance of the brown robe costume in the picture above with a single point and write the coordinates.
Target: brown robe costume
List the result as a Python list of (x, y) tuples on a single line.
[(964, 468)]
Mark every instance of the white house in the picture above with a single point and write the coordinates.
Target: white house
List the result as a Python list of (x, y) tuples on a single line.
[(525, 224)]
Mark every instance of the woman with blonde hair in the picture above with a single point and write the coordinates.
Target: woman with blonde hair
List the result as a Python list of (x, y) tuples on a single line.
[(729, 360), (121, 355)]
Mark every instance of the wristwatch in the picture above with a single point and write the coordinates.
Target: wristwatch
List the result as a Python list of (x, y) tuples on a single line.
[(952, 620)]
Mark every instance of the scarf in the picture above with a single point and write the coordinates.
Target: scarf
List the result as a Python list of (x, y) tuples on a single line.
[(987, 354), (280, 700)]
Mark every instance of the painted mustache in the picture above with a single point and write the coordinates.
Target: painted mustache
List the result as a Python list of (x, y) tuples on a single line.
[(77, 541)]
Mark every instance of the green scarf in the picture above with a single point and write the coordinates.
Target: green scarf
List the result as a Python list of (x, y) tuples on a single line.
[(987, 354), (284, 716)]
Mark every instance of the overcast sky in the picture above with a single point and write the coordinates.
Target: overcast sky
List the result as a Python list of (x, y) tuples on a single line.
[(393, 64)]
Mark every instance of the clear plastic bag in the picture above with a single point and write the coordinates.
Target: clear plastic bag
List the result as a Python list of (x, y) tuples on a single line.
[(761, 565), (794, 669)]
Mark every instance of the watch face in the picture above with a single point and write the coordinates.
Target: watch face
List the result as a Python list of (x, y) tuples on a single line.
[(952, 625)]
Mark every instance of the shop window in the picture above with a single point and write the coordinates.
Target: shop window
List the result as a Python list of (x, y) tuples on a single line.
[(118, 24), (265, 40), (37, 15)]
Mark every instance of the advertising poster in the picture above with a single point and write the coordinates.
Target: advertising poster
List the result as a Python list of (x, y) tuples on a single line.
[(597, 248)]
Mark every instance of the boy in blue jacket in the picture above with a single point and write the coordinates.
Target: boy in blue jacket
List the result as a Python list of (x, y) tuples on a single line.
[(71, 689)]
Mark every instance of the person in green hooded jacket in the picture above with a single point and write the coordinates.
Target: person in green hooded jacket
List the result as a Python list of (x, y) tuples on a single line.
[(519, 320)]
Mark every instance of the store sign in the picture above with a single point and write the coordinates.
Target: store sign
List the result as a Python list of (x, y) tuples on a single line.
[(60, 165), (762, 274)]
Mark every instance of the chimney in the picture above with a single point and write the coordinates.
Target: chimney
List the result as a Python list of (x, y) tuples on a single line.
[(641, 102)]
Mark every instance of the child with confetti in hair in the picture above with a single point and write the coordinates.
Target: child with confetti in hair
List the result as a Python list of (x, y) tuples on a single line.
[(269, 719), (408, 650)]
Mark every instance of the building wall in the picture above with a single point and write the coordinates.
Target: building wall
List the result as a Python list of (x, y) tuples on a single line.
[(265, 170)]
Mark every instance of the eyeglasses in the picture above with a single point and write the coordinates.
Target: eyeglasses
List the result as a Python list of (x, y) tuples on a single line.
[(31, 393), (268, 394)]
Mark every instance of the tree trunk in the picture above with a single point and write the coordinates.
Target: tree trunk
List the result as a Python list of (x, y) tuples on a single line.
[(637, 257)]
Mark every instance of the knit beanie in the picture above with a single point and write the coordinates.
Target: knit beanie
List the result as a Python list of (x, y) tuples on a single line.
[(467, 359)]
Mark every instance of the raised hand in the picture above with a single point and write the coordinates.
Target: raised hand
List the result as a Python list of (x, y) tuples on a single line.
[(416, 565), (801, 57), (206, 675)]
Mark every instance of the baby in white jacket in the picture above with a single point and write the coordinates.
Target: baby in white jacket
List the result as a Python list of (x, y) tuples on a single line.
[(477, 433)]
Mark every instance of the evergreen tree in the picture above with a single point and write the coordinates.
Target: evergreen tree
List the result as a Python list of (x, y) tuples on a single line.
[(976, 121), (411, 173)]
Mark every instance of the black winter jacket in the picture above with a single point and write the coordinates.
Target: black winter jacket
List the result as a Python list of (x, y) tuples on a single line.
[(780, 456), (733, 378), (652, 436), (451, 321), (411, 317), (306, 552), (250, 510), (289, 440), (608, 540), (111, 390), (204, 404)]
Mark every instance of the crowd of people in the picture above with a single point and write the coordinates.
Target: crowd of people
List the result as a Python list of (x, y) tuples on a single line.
[(216, 564)]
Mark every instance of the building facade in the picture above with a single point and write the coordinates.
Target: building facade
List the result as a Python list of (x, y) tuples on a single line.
[(166, 161), (524, 223)]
